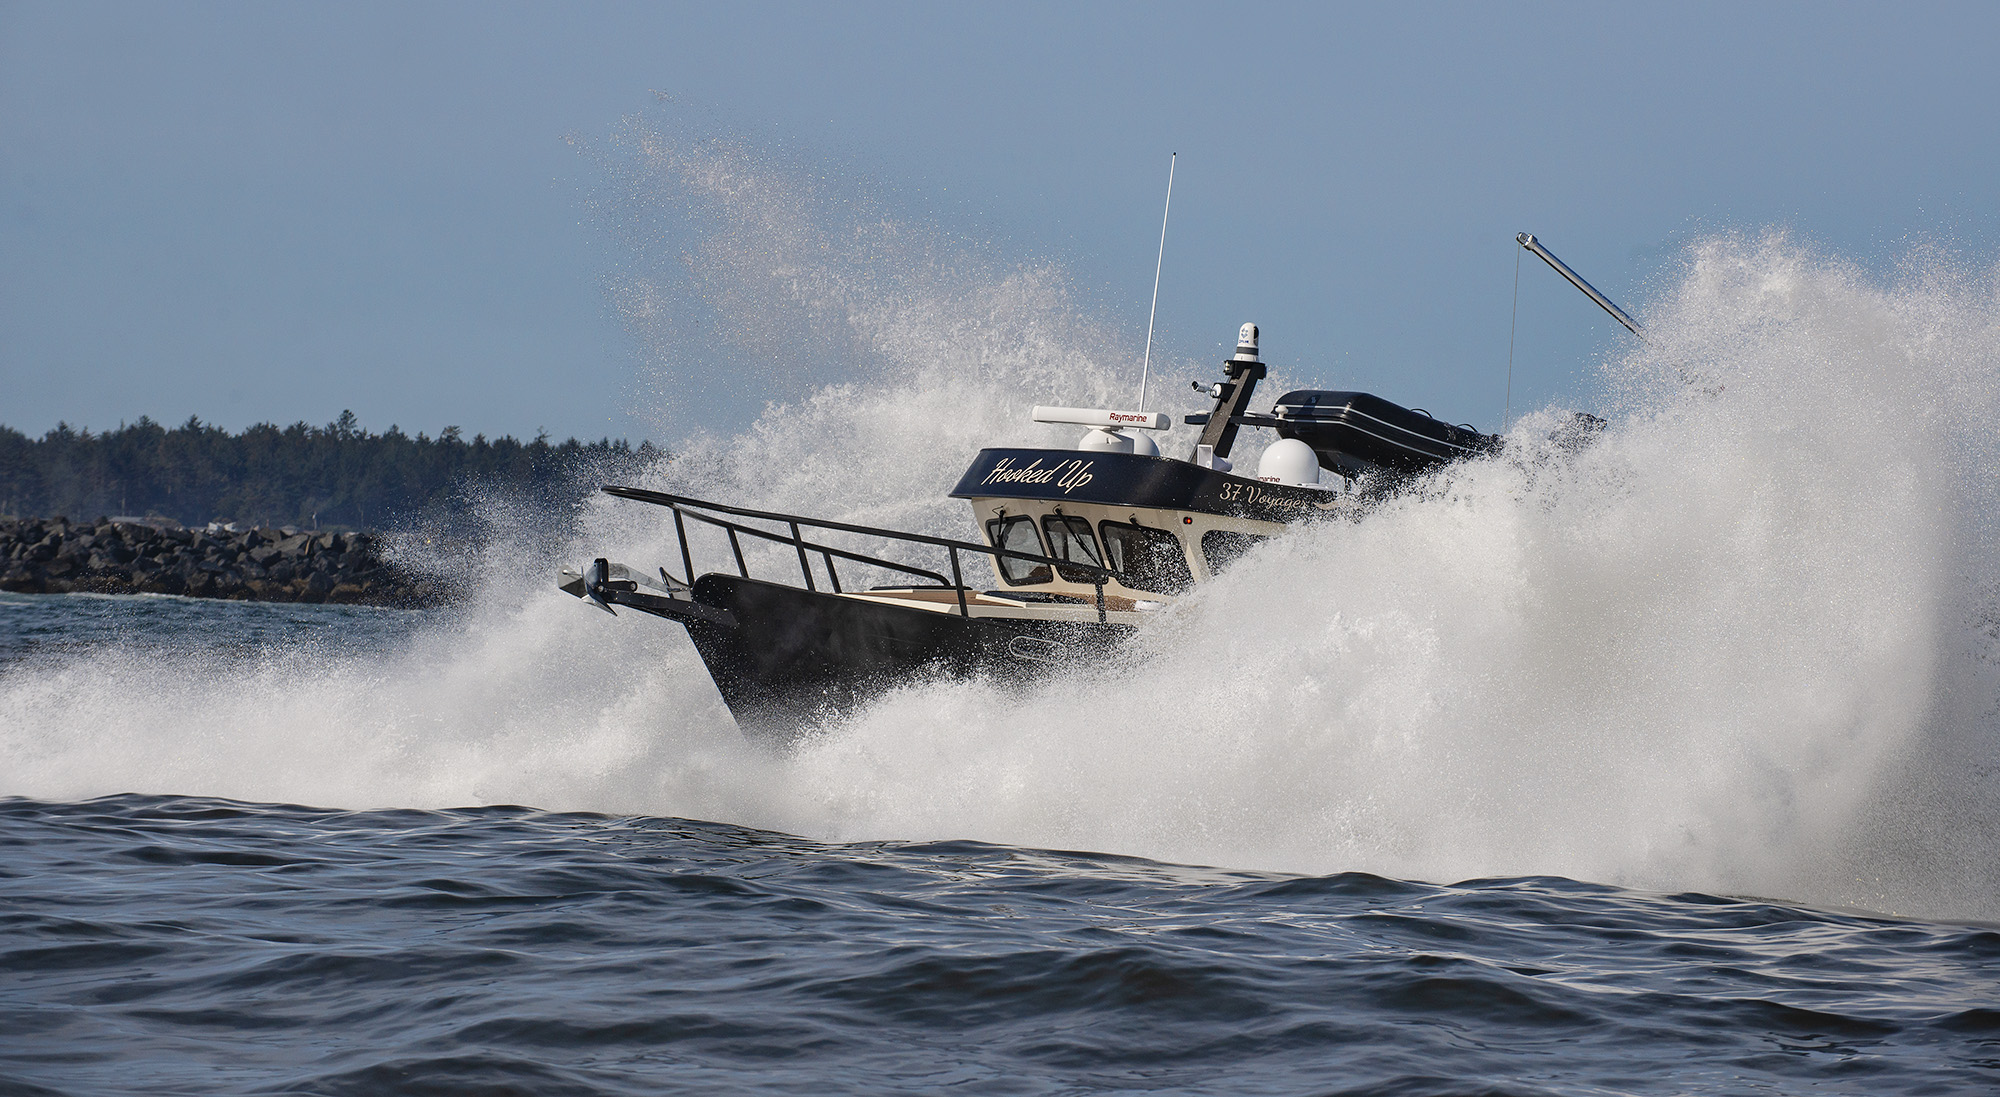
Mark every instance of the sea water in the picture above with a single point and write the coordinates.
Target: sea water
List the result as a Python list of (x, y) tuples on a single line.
[(160, 944), (1662, 765)]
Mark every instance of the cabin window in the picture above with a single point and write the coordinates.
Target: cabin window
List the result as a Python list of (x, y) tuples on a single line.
[(1145, 559), (1070, 540), (1221, 547), (1018, 534)]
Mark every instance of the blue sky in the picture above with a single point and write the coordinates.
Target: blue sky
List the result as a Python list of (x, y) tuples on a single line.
[(275, 212)]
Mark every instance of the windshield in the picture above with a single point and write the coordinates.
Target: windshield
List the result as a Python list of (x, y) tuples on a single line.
[(1070, 539), (1145, 559), (1018, 534)]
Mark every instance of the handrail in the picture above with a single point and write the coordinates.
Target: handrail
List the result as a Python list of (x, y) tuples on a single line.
[(743, 569), (675, 503)]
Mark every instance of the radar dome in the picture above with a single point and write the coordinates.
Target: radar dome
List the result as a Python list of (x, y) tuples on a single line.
[(1289, 461), (1114, 440), (1109, 440)]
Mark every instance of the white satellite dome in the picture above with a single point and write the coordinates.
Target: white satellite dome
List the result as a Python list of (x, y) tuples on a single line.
[(1289, 461)]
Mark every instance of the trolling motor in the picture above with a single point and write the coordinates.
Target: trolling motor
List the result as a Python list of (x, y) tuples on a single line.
[(605, 584), (601, 583)]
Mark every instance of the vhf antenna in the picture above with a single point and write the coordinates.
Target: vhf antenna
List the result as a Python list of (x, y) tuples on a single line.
[(1147, 367)]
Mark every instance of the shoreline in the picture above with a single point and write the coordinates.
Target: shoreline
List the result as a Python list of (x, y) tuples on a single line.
[(59, 556)]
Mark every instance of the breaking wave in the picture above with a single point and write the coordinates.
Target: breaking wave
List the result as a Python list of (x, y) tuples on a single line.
[(1746, 642)]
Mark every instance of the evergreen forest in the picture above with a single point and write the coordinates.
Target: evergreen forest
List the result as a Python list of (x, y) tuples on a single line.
[(332, 477)]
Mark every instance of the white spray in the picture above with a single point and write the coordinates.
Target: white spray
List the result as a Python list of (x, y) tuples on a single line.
[(1745, 642)]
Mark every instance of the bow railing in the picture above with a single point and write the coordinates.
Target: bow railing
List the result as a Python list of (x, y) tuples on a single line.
[(701, 510)]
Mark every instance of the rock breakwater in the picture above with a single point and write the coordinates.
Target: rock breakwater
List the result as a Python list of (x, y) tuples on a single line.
[(58, 556)]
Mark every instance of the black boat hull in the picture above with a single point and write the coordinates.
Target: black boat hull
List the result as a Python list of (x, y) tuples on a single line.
[(784, 658)]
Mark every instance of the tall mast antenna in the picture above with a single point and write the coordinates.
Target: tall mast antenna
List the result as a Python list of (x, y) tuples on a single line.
[(1147, 367)]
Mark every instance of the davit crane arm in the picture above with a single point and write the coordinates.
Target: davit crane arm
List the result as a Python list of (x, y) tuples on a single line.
[(1527, 240)]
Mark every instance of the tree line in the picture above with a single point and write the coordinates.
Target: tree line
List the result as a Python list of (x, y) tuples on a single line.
[(337, 476)]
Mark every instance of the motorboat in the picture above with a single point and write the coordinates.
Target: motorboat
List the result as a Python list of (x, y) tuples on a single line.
[(1078, 549)]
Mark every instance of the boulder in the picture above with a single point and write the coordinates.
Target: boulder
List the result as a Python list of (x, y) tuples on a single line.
[(155, 583), (349, 593)]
